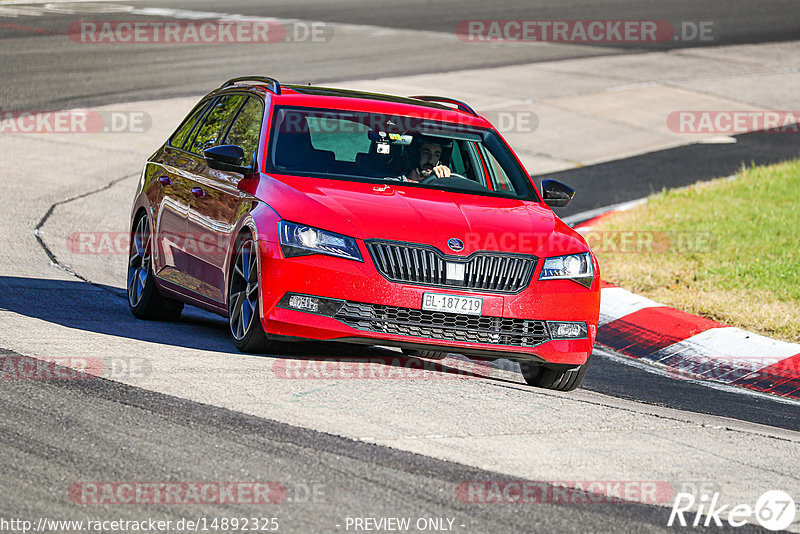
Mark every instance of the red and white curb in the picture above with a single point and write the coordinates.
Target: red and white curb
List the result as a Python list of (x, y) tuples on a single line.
[(692, 347)]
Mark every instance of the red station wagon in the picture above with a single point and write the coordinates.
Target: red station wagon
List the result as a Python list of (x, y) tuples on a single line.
[(304, 212)]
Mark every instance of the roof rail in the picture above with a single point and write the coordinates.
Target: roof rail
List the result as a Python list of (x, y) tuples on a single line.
[(273, 84), (461, 105)]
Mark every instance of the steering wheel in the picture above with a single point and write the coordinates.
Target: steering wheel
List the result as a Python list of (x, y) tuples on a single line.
[(433, 177)]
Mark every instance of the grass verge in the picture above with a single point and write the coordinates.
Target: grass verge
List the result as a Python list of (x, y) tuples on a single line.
[(728, 249)]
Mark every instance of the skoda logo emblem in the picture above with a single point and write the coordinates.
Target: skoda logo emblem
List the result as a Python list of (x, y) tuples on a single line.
[(455, 244)]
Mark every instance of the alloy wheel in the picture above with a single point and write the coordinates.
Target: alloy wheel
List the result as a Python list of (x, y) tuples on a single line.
[(243, 301), (139, 262)]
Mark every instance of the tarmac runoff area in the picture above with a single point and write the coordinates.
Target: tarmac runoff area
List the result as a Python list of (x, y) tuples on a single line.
[(84, 183)]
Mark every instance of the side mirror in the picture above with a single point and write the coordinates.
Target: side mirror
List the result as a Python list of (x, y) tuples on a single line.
[(226, 158), (556, 194)]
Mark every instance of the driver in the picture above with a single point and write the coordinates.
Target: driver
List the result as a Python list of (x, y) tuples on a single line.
[(427, 151)]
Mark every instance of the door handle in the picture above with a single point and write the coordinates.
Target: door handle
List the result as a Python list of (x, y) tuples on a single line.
[(165, 180), (198, 192)]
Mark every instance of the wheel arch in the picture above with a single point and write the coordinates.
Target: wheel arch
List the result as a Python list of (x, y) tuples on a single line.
[(142, 204), (246, 225)]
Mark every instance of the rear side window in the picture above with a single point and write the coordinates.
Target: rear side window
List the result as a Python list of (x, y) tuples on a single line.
[(180, 137), (215, 122), (246, 128)]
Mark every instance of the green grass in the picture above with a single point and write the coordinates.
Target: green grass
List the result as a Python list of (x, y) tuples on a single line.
[(745, 267)]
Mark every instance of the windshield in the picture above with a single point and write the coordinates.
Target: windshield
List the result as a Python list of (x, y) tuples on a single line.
[(416, 151)]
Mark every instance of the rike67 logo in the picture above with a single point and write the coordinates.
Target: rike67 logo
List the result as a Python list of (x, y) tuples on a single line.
[(774, 510)]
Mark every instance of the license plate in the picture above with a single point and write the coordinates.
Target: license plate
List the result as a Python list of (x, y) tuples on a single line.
[(452, 303)]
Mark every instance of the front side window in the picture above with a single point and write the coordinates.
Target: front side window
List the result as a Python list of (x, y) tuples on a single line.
[(246, 128), (368, 146), (215, 122), (497, 175)]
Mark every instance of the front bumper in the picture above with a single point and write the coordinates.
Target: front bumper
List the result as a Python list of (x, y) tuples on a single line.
[(375, 310)]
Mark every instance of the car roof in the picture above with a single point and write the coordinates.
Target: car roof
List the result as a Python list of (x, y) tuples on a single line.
[(350, 100)]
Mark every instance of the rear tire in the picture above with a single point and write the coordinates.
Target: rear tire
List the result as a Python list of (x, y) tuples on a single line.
[(559, 379), (144, 299), (244, 306), (428, 354)]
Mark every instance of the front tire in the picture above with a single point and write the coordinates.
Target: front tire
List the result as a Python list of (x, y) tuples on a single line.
[(560, 378), (244, 316), (144, 299)]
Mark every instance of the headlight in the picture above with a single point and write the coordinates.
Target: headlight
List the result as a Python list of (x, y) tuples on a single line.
[(575, 267), (301, 240)]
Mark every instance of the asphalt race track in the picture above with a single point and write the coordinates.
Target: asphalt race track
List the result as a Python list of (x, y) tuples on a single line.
[(383, 39), (180, 404)]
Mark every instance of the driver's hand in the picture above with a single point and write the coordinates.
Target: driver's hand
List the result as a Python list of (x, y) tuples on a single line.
[(441, 171)]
